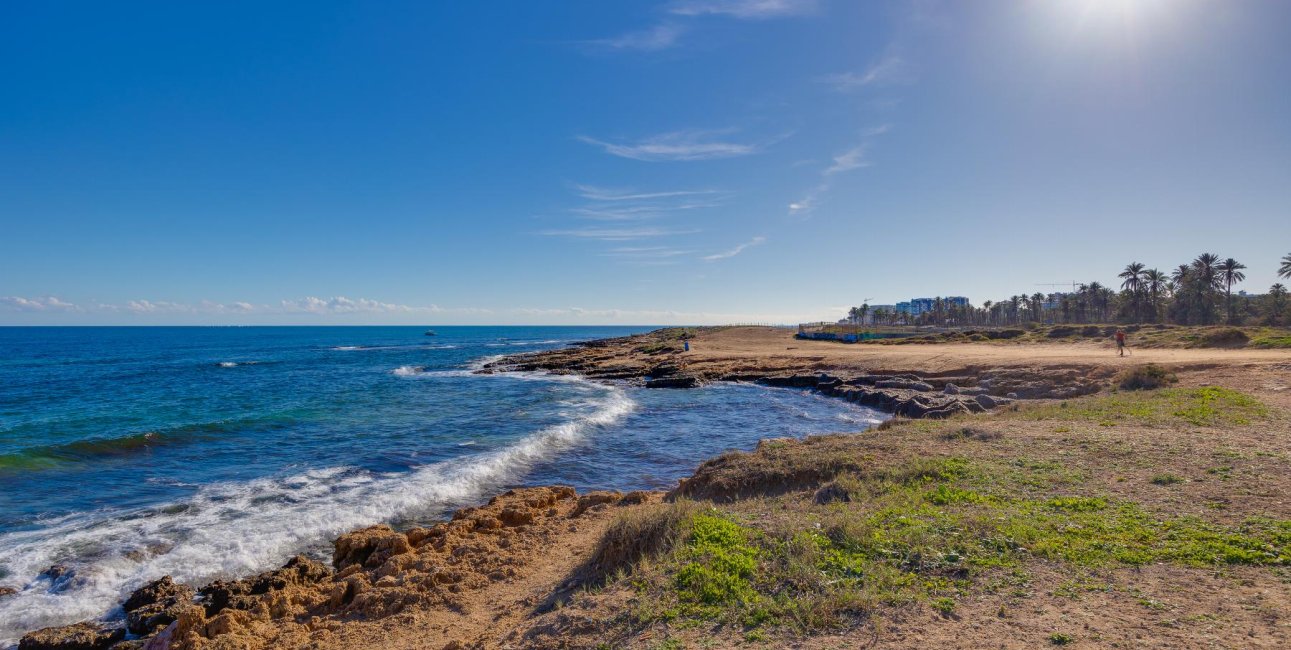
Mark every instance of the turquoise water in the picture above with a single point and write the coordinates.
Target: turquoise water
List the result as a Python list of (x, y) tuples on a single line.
[(203, 453)]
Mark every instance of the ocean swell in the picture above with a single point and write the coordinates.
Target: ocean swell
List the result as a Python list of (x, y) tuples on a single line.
[(234, 529)]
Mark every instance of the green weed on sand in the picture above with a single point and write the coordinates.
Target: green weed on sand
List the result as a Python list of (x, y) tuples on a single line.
[(1205, 406), (920, 535)]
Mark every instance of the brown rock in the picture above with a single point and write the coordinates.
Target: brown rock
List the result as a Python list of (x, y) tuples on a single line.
[(592, 499), (7, 591), (81, 636), (514, 516), (155, 605), (369, 547)]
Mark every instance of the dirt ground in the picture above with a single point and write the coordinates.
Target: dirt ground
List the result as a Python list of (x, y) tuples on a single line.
[(777, 345)]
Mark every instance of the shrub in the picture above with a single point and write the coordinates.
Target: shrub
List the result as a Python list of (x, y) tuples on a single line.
[(1061, 332), (638, 533), (1091, 331), (1229, 337), (1149, 377)]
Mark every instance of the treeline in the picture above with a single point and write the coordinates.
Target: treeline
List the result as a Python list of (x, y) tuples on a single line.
[(1201, 292)]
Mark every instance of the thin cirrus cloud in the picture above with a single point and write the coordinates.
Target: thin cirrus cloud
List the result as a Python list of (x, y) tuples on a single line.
[(637, 212), (735, 251), (847, 161), (889, 69), (745, 9), (647, 255), (653, 39), (594, 193), (676, 146), (618, 234)]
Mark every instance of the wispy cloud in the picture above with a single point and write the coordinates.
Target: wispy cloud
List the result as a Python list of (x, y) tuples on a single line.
[(43, 304), (659, 37), (745, 9), (853, 158), (847, 161), (617, 234), (676, 146), (807, 204), (593, 193), (614, 212), (647, 255), (735, 251), (889, 69)]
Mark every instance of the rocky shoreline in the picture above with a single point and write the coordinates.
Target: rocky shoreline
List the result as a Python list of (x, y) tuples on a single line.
[(375, 574), (650, 360), (378, 573)]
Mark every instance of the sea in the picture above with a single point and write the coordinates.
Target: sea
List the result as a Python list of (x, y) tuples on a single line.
[(210, 453)]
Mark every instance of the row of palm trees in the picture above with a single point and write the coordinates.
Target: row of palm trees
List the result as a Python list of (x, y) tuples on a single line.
[(1196, 293)]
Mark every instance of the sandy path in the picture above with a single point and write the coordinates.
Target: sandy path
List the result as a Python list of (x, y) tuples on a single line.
[(759, 344)]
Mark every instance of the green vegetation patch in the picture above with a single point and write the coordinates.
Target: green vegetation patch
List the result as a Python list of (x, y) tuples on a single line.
[(1271, 341), (923, 532), (1205, 406), (718, 562)]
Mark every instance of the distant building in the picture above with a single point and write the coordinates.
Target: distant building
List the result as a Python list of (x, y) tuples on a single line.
[(919, 306)]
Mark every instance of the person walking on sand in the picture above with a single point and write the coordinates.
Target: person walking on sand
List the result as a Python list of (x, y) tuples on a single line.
[(1120, 341)]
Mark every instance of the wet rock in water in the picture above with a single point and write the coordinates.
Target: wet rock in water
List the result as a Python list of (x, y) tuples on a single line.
[(56, 571), (679, 381), (156, 604), (369, 547), (81, 636), (7, 591), (908, 384)]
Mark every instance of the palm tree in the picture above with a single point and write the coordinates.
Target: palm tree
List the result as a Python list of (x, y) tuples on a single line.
[(1037, 307), (1230, 272), (1284, 271), (1207, 267), (1154, 282), (1278, 298), (1133, 281)]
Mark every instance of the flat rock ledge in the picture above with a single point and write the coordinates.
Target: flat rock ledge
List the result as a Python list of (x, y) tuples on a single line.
[(907, 394)]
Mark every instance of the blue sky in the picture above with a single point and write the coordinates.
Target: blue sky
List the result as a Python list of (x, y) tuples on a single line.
[(686, 161)]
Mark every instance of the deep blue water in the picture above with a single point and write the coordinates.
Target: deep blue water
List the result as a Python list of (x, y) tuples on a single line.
[(129, 453)]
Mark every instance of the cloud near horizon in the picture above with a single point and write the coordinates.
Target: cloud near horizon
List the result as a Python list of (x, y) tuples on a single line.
[(321, 308), (42, 303)]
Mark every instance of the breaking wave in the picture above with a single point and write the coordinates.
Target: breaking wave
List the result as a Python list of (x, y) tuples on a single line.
[(228, 530)]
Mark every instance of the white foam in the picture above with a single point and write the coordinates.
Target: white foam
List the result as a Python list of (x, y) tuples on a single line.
[(408, 371), (228, 364), (235, 529)]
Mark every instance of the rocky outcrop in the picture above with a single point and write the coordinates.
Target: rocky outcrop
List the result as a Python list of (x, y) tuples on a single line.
[(648, 360), (156, 605), (380, 572), (81, 636)]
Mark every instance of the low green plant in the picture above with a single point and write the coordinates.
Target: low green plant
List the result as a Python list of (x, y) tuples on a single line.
[(1166, 479), (1060, 638), (1203, 406)]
